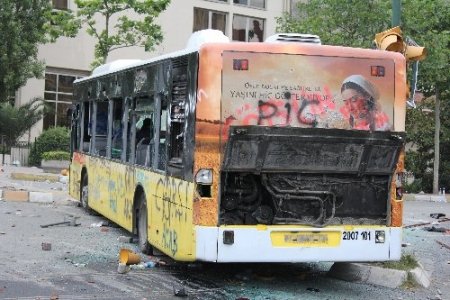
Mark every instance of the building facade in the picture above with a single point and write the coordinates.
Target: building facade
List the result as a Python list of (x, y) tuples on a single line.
[(70, 58)]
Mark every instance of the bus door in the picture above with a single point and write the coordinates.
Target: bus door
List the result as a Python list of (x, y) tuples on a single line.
[(99, 168)]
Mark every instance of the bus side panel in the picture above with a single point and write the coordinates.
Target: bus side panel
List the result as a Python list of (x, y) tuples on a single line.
[(169, 204), (98, 178), (121, 188), (78, 161)]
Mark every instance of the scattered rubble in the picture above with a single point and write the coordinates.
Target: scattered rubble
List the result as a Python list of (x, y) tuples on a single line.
[(46, 246), (443, 245), (437, 215), (71, 221)]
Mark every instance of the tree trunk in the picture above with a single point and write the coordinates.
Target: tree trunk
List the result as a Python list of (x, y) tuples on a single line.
[(437, 129)]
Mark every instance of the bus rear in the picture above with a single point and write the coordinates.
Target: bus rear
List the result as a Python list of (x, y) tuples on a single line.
[(298, 153)]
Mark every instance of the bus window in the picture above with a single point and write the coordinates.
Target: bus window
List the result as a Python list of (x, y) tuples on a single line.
[(131, 130), (117, 129), (177, 121), (75, 128), (176, 137), (144, 131), (160, 136), (101, 128), (85, 124)]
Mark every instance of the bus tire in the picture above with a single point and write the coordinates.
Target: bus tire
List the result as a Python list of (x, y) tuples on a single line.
[(142, 228), (84, 193)]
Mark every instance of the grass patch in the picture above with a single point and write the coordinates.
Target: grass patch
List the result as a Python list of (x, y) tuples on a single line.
[(409, 283), (407, 262)]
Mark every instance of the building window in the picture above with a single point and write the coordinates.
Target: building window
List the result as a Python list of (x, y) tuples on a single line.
[(12, 98), (247, 29), (58, 99), (251, 3), (208, 19), (60, 4)]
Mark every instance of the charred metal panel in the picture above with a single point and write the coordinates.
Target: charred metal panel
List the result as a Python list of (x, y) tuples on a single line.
[(128, 83), (307, 176), (190, 116), (182, 115), (311, 150), (114, 87)]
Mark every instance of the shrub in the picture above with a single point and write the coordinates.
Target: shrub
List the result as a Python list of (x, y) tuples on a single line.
[(53, 139), (414, 187), (56, 155)]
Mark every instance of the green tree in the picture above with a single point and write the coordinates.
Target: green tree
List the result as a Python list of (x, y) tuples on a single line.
[(118, 30), (355, 23), (24, 25), (429, 23), (14, 122), (344, 23)]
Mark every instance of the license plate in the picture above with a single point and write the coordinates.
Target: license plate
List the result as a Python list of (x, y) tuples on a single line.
[(306, 239)]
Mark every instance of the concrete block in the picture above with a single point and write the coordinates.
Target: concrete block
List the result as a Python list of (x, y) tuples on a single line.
[(421, 276), (40, 197), (355, 272), (390, 278), (34, 177), (19, 196)]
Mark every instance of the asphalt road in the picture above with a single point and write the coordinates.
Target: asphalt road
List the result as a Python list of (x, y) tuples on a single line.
[(83, 261)]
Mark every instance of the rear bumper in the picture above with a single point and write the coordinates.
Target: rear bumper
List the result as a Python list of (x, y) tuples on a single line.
[(258, 244)]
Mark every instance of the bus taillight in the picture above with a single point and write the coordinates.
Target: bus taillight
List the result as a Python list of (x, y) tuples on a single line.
[(204, 179)]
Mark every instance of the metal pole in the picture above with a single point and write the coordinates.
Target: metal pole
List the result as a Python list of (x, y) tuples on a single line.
[(396, 12), (437, 129)]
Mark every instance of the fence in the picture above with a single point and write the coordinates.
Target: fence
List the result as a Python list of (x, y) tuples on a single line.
[(16, 155), (20, 154)]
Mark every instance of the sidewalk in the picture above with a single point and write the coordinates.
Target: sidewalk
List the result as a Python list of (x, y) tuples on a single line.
[(427, 197)]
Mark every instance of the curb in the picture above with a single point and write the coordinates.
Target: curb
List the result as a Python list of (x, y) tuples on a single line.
[(35, 177), (391, 278)]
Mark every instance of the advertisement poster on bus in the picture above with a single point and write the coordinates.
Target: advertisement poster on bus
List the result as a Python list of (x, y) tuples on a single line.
[(271, 89)]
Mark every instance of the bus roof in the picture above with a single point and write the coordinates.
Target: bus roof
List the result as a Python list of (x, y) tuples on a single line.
[(194, 43)]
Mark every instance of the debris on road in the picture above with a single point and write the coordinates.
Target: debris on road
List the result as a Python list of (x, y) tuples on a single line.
[(125, 239), (71, 221), (46, 246), (437, 215), (129, 257), (99, 224), (123, 268), (180, 291), (427, 223), (442, 244), (435, 229)]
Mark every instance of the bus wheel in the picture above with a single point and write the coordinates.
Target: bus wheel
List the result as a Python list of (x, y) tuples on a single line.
[(142, 220), (84, 192)]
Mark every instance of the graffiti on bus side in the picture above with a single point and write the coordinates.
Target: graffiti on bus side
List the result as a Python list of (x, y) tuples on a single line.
[(170, 201), (113, 196), (170, 239)]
